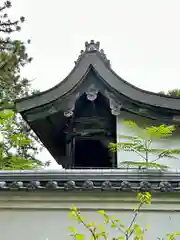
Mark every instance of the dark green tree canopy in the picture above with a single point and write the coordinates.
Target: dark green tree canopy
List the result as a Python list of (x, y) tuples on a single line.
[(173, 93), (19, 145)]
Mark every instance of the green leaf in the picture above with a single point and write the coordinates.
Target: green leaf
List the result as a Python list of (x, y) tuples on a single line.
[(106, 218), (113, 224), (137, 230), (131, 124), (101, 228), (91, 224), (102, 212), (74, 208), (144, 197), (71, 215), (72, 229), (121, 238), (79, 236), (148, 226), (156, 132), (144, 164)]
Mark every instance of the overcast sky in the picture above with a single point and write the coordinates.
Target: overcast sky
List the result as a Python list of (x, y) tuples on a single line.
[(140, 37)]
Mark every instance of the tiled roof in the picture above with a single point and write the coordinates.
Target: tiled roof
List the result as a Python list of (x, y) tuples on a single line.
[(91, 180)]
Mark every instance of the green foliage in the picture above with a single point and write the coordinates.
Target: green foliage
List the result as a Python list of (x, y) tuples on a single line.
[(172, 236), (173, 93), (13, 56), (141, 144), (98, 232), (13, 144)]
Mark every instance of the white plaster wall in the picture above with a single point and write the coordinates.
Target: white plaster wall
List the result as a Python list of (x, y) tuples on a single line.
[(172, 142), (53, 224), (42, 216)]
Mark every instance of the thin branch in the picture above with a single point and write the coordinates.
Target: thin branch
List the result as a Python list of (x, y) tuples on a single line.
[(85, 225), (134, 218), (149, 143), (2, 8), (6, 30), (146, 152), (8, 24), (155, 159), (119, 228), (139, 154)]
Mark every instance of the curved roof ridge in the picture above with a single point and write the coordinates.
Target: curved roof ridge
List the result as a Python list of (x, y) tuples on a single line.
[(143, 90), (94, 56)]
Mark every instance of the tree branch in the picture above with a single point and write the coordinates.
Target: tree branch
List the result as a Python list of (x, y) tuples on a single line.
[(8, 24), (134, 218), (85, 225)]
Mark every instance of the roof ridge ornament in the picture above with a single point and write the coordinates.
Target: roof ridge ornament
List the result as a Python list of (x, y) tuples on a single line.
[(93, 46)]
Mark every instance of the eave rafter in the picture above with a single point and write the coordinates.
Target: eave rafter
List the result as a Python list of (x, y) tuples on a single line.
[(91, 94), (117, 103), (67, 104)]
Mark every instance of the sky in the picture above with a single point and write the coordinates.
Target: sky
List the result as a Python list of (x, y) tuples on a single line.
[(140, 37)]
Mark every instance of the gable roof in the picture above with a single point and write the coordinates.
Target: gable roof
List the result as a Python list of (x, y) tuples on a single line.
[(94, 58)]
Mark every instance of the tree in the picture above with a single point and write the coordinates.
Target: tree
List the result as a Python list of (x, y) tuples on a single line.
[(13, 56), (99, 232), (173, 93), (141, 144), (13, 145)]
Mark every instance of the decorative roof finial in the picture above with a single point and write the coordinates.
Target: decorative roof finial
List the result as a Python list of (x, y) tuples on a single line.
[(93, 46)]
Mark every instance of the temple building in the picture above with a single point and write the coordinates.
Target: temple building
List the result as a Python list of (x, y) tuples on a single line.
[(76, 119)]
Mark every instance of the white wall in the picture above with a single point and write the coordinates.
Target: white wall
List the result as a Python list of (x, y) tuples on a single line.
[(170, 143), (41, 216)]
